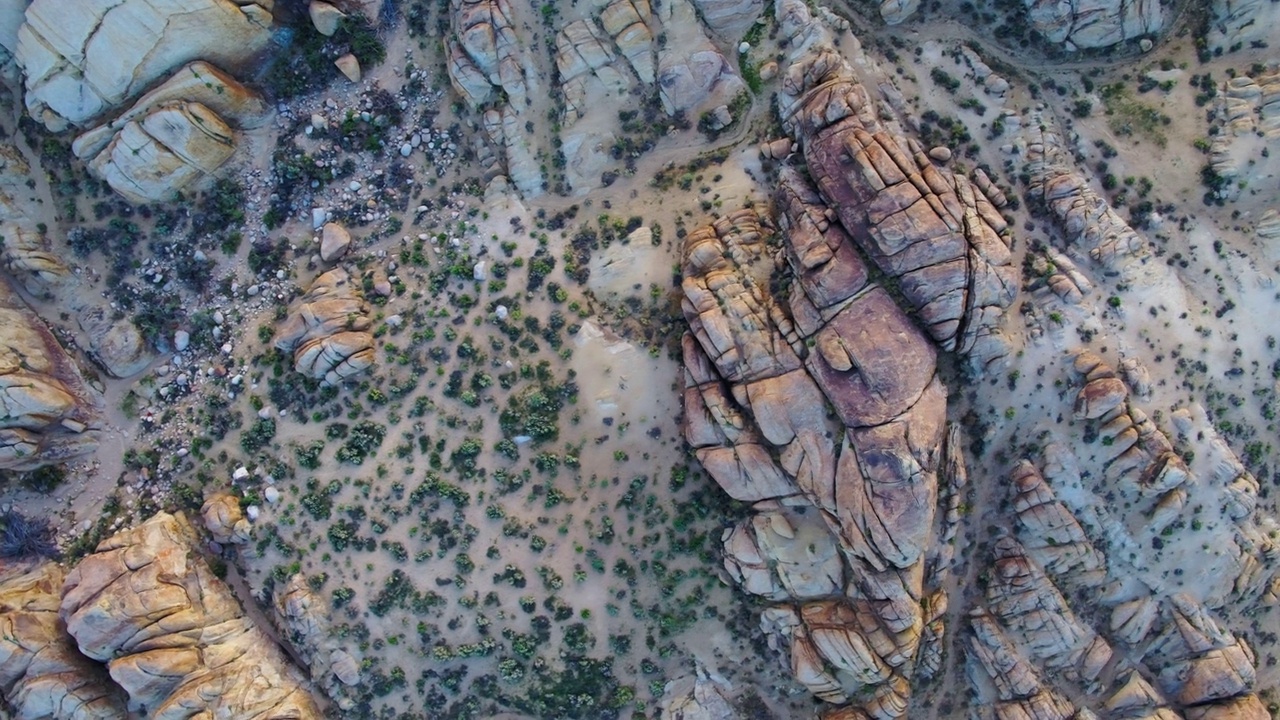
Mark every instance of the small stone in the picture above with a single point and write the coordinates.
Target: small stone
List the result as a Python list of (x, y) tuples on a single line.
[(319, 216), (501, 311), (406, 150), (743, 48), (252, 513), (319, 122), (349, 66), (272, 495), (395, 321), (1145, 44), (478, 271), (74, 426), (354, 186), (218, 317), (940, 153), (241, 473), (334, 242), (181, 340)]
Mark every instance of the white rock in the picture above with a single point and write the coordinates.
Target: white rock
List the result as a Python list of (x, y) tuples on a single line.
[(319, 216), (252, 512), (501, 311), (319, 122), (241, 473), (478, 272), (181, 340), (272, 495), (395, 321), (406, 150)]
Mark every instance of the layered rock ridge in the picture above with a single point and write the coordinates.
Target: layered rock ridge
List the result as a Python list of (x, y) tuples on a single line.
[(171, 633), (936, 234)]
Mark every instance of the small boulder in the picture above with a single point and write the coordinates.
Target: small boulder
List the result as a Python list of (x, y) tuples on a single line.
[(325, 17), (334, 242), (349, 66), (940, 153)]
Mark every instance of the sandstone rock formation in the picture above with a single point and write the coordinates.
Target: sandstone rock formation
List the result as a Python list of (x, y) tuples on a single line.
[(47, 412), (83, 60), (729, 18), (26, 255), (1050, 533), (934, 231), (42, 674), (485, 52), (328, 330), (175, 135), (224, 519), (758, 373), (1079, 24), (334, 242), (304, 616), (1086, 218), (692, 73), (172, 635)]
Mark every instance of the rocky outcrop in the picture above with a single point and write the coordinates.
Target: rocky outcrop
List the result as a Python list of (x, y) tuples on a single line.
[(1237, 23), (115, 344), (1080, 24), (1202, 666), (47, 412), (933, 231), (1085, 217), (896, 12), (1019, 691), (485, 53), (692, 73), (225, 520), (1051, 534), (729, 19), (27, 256), (328, 330), (627, 22), (1030, 606), (303, 615), (42, 673), (82, 60), (173, 136), (172, 634), (759, 373)]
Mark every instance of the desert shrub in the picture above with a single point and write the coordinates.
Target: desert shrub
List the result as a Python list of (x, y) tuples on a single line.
[(22, 537)]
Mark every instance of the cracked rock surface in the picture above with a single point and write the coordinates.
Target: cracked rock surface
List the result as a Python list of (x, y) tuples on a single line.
[(328, 330), (172, 634)]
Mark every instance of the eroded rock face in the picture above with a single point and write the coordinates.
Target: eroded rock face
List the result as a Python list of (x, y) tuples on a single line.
[(47, 412), (42, 674), (174, 136), (303, 615), (225, 520), (327, 330), (81, 60), (1081, 24), (855, 517), (172, 634), (934, 231)]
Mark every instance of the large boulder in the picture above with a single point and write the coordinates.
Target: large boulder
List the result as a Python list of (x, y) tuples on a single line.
[(82, 60), (42, 674), (1082, 24), (172, 634), (327, 330)]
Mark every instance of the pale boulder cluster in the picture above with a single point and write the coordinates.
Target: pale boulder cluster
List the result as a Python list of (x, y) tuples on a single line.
[(1248, 110), (86, 66), (601, 60), (140, 626), (1086, 24)]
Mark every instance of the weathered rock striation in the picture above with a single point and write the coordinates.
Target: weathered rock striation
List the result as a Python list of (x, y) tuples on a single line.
[(759, 375), (172, 634), (47, 412), (1082, 24), (303, 614), (42, 674), (933, 231), (328, 330), (82, 60)]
